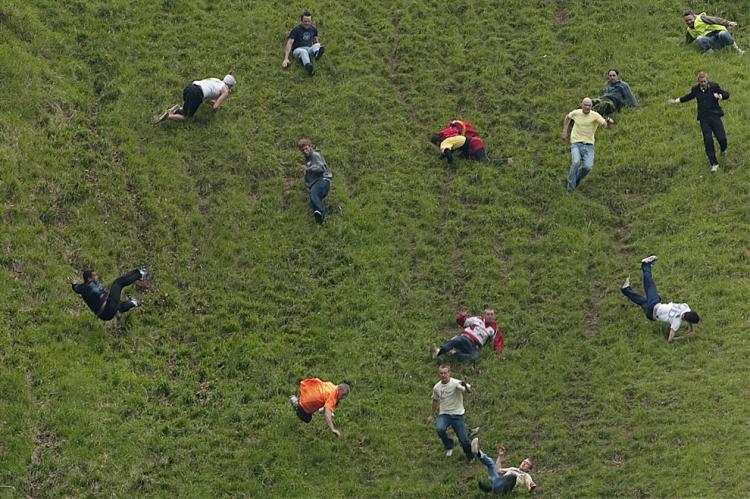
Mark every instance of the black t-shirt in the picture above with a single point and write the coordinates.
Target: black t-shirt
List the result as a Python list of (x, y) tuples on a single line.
[(303, 37)]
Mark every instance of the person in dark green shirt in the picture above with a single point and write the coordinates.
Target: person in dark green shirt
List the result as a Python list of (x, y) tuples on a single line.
[(617, 94)]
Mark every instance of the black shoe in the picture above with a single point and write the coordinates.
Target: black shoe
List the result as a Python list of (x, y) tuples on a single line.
[(309, 69), (318, 216), (448, 154), (320, 53), (486, 487)]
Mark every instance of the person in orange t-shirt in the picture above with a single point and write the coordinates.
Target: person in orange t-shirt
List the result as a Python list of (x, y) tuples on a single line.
[(316, 395)]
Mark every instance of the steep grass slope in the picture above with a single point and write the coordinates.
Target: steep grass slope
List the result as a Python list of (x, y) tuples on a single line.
[(188, 395)]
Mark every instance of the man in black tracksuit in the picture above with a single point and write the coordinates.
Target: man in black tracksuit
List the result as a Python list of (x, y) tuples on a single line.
[(106, 304), (708, 94)]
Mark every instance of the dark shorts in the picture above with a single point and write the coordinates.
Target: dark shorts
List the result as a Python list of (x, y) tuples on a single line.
[(192, 97)]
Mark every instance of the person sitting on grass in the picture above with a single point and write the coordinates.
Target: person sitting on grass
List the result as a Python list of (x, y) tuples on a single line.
[(617, 94), (710, 32), (302, 43), (477, 331), (503, 480), (193, 95), (318, 178), (105, 304), (671, 313), (317, 395)]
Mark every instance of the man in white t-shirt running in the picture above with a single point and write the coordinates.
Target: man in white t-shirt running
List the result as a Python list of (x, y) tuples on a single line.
[(212, 89), (503, 480), (448, 403), (671, 313), (585, 122)]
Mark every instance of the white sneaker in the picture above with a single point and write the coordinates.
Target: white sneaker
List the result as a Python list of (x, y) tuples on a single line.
[(626, 284), (449, 453), (294, 401), (475, 447), (144, 272), (649, 259), (715, 168), (135, 302)]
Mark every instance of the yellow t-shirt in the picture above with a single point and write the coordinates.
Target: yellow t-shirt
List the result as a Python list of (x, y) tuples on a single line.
[(453, 143), (314, 394), (585, 126)]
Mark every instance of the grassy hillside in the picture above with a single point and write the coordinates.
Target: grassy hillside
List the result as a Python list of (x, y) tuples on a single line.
[(188, 395)]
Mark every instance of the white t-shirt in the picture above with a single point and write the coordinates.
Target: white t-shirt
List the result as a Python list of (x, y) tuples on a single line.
[(211, 87), (474, 326), (671, 313), (521, 477), (450, 395)]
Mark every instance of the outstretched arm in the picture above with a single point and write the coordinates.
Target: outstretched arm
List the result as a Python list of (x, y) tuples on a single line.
[(287, 51), (329, 422)]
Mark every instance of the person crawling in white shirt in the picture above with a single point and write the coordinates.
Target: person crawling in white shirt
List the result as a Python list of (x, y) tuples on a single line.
[(655, 310)]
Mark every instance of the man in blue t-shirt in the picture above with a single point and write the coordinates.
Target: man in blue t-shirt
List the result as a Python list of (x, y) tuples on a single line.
[(303, 42)]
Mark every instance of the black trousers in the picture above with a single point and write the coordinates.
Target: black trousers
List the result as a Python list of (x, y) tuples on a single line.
[(302, 414), (713, 125), (114, 304), (192, 97)]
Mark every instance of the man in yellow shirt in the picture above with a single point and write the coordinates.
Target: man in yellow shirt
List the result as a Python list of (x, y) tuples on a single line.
[(585, 122)]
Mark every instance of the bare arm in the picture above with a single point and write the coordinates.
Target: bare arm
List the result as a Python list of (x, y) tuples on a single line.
[(672, 332), (329, 422), (222, 97), (435, 406), (566, 124), (287, 51)]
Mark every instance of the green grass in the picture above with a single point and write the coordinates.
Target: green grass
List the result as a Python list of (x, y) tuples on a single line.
[(188, 395)]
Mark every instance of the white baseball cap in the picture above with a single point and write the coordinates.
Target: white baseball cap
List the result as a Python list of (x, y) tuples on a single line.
[(230, 81)]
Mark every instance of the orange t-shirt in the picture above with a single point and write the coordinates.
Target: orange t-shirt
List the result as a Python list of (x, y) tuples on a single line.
[(314, 394)]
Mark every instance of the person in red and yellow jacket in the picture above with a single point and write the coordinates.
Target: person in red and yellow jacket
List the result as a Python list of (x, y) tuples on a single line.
[(710, 32), (316, 395), (460, 136)]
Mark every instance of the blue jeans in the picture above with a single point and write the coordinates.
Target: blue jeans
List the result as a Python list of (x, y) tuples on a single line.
[(304, 53), (715, 40), (580, 151), (318, 193), (457, 422), (466, 349), (500, 484), (652, 297)]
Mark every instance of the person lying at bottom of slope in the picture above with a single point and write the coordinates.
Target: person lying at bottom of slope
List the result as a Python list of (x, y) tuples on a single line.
[(503, 480)]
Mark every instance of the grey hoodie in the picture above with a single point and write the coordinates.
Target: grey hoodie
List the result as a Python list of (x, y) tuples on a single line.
[(318, 169)]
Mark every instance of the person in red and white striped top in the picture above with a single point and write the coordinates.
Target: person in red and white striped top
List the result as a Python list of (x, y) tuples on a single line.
[(477, 331)]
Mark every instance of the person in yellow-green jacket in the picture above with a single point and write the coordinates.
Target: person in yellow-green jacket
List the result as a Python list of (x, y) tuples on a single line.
[(711, 33)]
